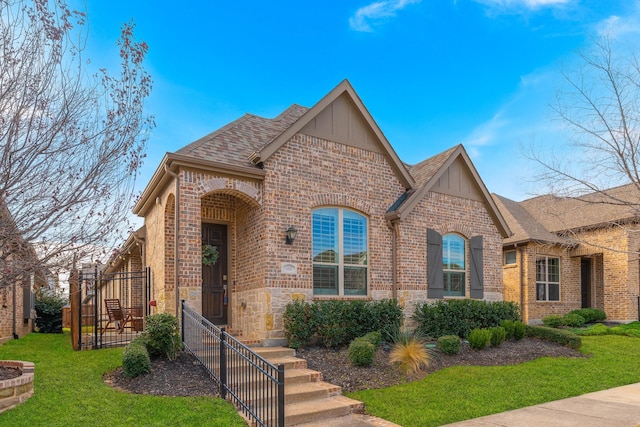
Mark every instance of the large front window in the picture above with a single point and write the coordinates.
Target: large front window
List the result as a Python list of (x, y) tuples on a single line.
[(453, 265), (548, 279), (339, 252)]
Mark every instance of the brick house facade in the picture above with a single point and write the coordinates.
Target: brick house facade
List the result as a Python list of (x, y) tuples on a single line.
[(17, 298), (589, 245), (362, 217)]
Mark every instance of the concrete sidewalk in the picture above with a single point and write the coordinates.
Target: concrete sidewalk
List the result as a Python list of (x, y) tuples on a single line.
[(617, 407)]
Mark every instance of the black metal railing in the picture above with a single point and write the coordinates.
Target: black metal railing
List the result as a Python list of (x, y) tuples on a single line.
[(251, 382)]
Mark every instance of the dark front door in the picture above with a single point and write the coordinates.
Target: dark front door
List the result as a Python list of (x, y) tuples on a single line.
[(214, 277), (585, 282)]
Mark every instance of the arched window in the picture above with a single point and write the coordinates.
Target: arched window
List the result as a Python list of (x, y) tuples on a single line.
[(453, 265), (340, 252)]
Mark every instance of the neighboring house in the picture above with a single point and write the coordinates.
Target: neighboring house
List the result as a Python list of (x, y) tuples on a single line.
[(570, 253), (366, 225), (20, 276)]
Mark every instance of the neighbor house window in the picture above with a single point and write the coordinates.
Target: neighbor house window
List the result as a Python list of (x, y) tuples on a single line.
[(510, 257), (340, 255), (548, 279), (453, 265)]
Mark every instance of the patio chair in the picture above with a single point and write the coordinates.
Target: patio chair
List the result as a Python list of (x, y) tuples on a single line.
[(117, 316)]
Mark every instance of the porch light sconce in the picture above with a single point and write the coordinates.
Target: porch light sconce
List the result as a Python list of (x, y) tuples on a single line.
[(290, 235)]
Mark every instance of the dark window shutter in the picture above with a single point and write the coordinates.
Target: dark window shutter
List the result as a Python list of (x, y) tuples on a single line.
[(477, 276), (435, 280)]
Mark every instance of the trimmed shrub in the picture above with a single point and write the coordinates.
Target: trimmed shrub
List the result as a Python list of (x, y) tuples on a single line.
[(449, 344), (374, 338), (553, 321), (163, 335), (409, 351), (591, 315), (479, 338), (135, 360), (498, 335), (597, 329), (573, 320), (299, 323), (509, 328), (48, 306), (361, 352), (519, 330), (385, 316), (460, 317), (339, 322), (560, 336)]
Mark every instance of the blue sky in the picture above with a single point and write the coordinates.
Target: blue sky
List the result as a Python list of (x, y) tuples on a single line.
[(433, 73)]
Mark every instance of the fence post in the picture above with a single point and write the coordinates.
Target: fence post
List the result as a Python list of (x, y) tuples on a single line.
[(281, 395), (76, 308), (223, 363)]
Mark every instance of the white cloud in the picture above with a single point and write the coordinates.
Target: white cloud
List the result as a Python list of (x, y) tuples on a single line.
[(616, 26), (364, 17), (522, 4)]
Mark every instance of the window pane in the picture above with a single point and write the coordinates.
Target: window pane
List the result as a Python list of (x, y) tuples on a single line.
[(454, 284), (452, 252), (354, 238), (541, 293), (554, 292), (541, 271), (510, 257), (325, 235), (553, 269), (355, 281), (325, 280)]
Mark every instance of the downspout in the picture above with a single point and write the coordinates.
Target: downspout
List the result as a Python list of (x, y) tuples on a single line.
[(521, 278), (15, 312), (176, 252), (393, 226)]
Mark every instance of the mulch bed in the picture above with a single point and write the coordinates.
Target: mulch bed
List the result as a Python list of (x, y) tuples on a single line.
[(184, 376), (7, 372)]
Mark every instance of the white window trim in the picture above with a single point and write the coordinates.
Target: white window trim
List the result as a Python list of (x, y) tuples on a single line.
[(546, 277), (341, 264)]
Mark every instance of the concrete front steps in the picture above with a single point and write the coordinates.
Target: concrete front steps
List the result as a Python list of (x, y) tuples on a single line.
[(309, 401)]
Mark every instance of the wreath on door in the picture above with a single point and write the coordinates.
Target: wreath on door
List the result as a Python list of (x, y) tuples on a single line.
[(210, 254)]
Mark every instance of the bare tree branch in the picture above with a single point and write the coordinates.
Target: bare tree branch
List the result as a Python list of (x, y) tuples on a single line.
[(71, 144)]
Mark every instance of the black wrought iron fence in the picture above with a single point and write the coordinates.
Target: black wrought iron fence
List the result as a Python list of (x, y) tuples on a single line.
[(111, 325), (251, 382)]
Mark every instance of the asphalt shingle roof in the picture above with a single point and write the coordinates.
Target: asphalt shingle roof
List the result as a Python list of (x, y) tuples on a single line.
[(545, 218), (424, 170), (233, 143), (592, 210)]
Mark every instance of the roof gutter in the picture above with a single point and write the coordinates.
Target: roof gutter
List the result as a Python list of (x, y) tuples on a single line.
[(172, 161)]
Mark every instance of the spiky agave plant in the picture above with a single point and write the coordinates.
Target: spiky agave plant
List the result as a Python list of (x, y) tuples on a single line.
[(409, 351)]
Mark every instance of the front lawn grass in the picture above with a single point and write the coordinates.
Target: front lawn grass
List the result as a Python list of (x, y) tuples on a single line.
[(69, 391), (464, 392)]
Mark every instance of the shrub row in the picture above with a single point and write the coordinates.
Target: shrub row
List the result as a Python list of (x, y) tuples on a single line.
[(560, 336), (575, 318), (337, 323), (460, 317)]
